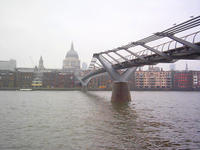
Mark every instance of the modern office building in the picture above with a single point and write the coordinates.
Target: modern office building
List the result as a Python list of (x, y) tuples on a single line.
[(8, 65), (196, 80), (84, 66)]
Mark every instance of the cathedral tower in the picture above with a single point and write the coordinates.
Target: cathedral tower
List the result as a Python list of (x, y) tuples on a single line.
[(41, 65)]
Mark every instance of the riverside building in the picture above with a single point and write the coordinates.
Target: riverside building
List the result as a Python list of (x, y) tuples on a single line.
[(8, 65), (196, 80), (7, 79), (154, 78), (183, 80)]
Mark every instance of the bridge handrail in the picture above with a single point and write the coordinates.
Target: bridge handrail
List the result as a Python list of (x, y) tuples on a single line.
[(189, 24), (156, 47), (145, 52)]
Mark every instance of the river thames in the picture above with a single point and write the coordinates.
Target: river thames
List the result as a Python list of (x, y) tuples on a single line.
[(72, 120)]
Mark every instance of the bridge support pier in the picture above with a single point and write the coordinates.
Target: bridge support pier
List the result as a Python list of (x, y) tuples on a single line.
[(120, 92), (120, 89), (84, 88)]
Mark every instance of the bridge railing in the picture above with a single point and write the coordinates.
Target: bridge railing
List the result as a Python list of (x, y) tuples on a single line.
[(135, 50), (169, 45), (166, 46)]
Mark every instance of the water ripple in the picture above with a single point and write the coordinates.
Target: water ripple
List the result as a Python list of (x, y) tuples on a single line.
[(74, 120)]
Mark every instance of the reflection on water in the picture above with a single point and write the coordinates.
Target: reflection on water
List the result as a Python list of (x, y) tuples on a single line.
[(75, 120)]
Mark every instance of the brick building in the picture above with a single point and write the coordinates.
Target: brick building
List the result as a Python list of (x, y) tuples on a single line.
[(58, 80), (7, 79), (100, 82), (24, 78), (182, 80), (153, 79)]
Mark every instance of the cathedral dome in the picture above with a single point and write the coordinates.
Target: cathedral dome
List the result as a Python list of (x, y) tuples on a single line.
[(72, 52)]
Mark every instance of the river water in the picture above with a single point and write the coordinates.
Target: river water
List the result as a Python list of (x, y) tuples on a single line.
[(72, 120)]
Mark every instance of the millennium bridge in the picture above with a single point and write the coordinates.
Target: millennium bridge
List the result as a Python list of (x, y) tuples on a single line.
[(181, 41)]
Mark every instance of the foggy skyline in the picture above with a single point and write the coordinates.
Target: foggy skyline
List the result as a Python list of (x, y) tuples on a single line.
[(30, 29)]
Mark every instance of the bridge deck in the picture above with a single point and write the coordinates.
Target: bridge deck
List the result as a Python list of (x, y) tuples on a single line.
[(175, 54)]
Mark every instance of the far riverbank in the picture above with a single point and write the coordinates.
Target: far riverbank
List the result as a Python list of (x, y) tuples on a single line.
[(79, 89)]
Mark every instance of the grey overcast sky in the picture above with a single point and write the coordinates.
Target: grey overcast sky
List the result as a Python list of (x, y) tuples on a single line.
[(33, 28)]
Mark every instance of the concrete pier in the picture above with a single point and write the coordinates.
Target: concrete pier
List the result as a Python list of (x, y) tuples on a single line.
[(84, 88), (120, 92)]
